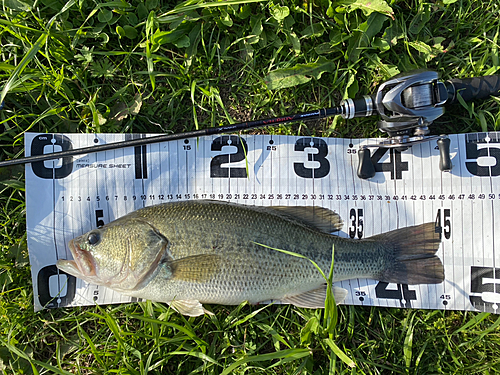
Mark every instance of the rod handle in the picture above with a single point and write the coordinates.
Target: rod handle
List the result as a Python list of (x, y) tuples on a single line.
[(473, 88)]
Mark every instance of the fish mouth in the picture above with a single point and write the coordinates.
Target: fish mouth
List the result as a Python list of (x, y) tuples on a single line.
[(82, 265)]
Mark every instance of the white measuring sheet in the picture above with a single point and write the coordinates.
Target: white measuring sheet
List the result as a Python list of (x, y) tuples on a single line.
[(66, 198)]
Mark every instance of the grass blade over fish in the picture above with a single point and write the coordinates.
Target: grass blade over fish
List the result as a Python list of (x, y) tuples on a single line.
[(194, 252)]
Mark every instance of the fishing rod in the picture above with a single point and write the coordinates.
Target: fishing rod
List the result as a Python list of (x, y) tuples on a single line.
[(407, 104)]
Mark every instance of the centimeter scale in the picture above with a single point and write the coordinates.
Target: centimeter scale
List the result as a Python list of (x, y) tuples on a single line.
[(66, 198)]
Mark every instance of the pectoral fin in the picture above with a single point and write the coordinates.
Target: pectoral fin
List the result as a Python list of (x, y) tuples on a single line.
[(196, 268), (315, 299), (189, 307)]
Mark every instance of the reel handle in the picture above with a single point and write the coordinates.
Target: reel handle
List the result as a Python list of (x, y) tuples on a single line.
[(366, 168), (473, 88)]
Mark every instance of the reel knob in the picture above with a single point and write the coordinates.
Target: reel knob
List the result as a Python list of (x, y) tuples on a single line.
[(444, 154), (365, 165)]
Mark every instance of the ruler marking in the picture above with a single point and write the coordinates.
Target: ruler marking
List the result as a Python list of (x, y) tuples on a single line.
[(271, 154), (186, 169), (496, 300), (432, 289), (414, 219), (442, 218), (160, 176), (461, 163), (54, 214), (276, 164), (94, 212), (470, 240)]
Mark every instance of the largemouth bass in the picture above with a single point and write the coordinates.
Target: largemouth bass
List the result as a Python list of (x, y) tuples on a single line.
[(195, 252)]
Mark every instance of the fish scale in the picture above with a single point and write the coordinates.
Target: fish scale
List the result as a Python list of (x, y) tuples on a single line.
[(194, 252)]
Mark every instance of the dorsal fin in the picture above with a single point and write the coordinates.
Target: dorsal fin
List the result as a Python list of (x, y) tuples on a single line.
[(320, 218)]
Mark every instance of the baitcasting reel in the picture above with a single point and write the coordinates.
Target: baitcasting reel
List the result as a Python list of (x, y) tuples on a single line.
[(408, 104)]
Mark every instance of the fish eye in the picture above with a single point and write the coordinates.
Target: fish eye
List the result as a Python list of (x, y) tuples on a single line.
[(93, 238)]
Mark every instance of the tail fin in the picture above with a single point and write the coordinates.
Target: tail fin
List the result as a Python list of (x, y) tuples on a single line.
[(415, 260)]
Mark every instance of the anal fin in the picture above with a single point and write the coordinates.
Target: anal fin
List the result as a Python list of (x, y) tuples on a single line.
[(189, 307), (315, 299)]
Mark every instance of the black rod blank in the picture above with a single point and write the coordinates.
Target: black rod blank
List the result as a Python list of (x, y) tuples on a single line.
[(314, 115)]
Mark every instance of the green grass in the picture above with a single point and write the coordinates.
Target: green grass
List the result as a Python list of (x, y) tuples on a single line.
[(85, 66)]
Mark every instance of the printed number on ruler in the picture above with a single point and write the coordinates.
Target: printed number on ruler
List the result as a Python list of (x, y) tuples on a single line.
[(483, 154), (320, 145), (402, 293), (443, 222), (356, 220), (46, 144), (56, 296), (239, 147), (395, 165), (228, 141), (485, 289)]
